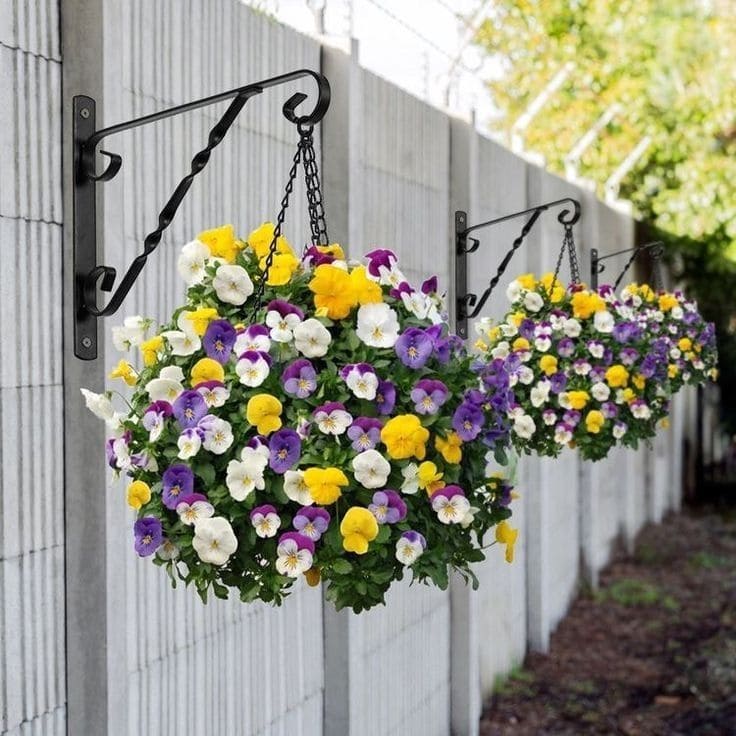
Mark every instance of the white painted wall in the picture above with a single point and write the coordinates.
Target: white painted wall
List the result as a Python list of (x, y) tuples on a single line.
[(174, 666)]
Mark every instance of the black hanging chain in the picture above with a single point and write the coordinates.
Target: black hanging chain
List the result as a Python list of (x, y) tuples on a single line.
[(568, 244), (277, 231), (317, 222)]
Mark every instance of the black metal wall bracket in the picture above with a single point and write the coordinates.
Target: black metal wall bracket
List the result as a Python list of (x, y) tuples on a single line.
[(468, 306), (655, 249), (87, 273)]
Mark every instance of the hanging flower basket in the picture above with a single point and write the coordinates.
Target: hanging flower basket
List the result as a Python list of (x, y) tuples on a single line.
[(307, 417)]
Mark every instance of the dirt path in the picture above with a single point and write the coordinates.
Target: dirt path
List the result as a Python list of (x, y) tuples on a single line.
[(652, 652)]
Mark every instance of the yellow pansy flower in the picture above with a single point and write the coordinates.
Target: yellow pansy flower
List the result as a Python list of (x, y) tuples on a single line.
[(629, 395), (548, 364), (366, 291), (125, 371), (263, 411), (585, 304), (333, 289), (200, 318), (667, 301), (281, 270), (429, 478), (207, 369), (261, 238), (450, 448), (480, 345), (493, 333), (646, 293), (639, 381), (527, 280), (672, 370), (139, 494), (506, 534), (515, 319), (150, 349), (521, 343), (222, 242), (358, 528), (664, 423), (684, 343), (552, 287), (578, 399), (405, 437), (333, 249), (594, 420), (324, 484), (617, 376)]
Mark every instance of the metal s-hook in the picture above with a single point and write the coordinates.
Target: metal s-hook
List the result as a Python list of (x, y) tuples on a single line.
[(89, 276)]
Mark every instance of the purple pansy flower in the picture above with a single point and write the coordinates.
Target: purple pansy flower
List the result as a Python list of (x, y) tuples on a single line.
[(299, 378), (526, 329), (178, 481), (381, 257), (428, 396), (388, 507), (255, 337), (315, 257), (565, 347), (301, 540), (365, 432), (189, 408), (385, 397), (467, 421), (609, 410), (571, 417), (148, 535), (403, 288), (430, 285), (414, 347), (154, 416), (558, 381), (219, 340), (284, 308), (311, 522), (597, 374), (285, 448)]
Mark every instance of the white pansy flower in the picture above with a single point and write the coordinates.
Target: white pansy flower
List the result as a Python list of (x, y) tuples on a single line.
[(410, 484), (371, 469), (539, 395), (214, 540), (334, 422), (571, 327), (513, 291), (363, 385), (417, 303), (311, 338), (182, 343), (525, 374), (131, 334), (508, 329), (640, 410), (391, 276), (253, 369), (189, 444), (625, 311), (675, 353), (524, 426), (214, 396), (600, 391), (408, 551), (296, 489), (533, 301), (167, 551), (619, 430), (191, 513), (603, 322), (596, 349), (164, 388), (192, 262), (581, 367), (564, 400), (378, 325), (501, 350), (245, 475), (232, 284), (450, 510), (218, 436), (248, 340), (469, 517), (677, 313), (562, 434), (282, 328), (266, 525), (292, 561), (99, 404), (543, 343), (172, 373)]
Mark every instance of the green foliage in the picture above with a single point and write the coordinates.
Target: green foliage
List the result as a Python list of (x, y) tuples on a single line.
[(670, 65), (630, 592)]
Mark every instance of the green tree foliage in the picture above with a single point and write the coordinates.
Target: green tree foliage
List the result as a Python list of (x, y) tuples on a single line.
[(671, 66)]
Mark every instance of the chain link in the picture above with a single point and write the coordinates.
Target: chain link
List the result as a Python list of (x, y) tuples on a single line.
[(317, 221), (277, 231), (568, 244)]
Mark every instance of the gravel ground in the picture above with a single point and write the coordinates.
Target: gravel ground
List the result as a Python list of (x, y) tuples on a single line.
[(653, 651)]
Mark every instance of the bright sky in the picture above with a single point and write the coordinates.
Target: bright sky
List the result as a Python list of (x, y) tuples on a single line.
[(420, 45)]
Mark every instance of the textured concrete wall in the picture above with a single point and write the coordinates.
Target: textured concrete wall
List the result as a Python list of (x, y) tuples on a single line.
[(180, 667), (32, 697), (394, 171)]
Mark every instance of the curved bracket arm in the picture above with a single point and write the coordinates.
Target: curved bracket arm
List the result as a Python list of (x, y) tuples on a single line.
[(88, 274), (465, 301), (656, 251)]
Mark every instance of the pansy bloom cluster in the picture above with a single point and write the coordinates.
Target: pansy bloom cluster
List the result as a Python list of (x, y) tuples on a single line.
[(332, 428), (590, 369)]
